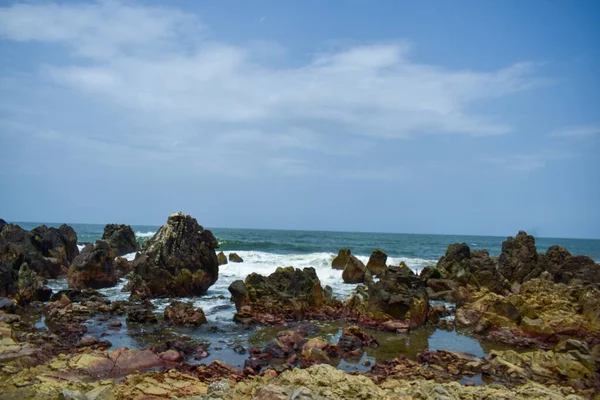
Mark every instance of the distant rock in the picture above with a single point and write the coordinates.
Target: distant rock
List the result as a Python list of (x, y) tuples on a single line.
[(377, 263), (93, 268), (121, 238), (518, 261), (341, 260), (233, 257), (222, 258), (179, 261), (355, 271), (180, 313)]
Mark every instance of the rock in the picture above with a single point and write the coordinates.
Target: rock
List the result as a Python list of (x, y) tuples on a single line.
[(377, 263), (8, 279), (141, 313), (430, 272), (518, 261), (171, 356), (317, 351), (286, 294), (222, 258), (354, 338), (475, 268), (122, 267), (233, 257), (87, 341), (115, 324), (3, 223), (184, 314), (48, 251), (341, 260), (121, 239), (93, 268), (31, 287), (7, 305), (179, 261), (354, 271)]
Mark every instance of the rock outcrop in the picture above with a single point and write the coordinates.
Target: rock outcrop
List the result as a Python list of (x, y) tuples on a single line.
[(355, 271), (222, 258), (179, 261), (377, 263), (340, 261), (47, 251), (474, 268), (121, 239), (93, 268), (518, 261), (31, 287), (287, 294), (234, 257), (180, 313)]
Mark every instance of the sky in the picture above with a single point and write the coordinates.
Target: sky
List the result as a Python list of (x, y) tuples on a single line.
[(463, 117)]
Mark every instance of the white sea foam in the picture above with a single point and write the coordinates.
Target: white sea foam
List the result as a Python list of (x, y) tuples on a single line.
[(129, 256), (80, 247), (145, 234)]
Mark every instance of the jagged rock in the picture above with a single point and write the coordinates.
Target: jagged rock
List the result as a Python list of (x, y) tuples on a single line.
[(286, 294), (474, 268), (222, 258), (79, 296), (430, 272), (341, 260), (355, 271), (31, 287), (8, 279), (317, 351), (120, 238), (377, 263), (122, 267), (3, 223), (93, 268), (518, 261), (233, 257), (184, 314), (179, 261), (48, 251)]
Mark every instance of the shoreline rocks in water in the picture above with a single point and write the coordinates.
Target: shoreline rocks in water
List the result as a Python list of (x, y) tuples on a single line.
[(377, 263), (234, 257), (121, 239), (286, 294), (179, 261), (180, 313), (341, 260), (222, 258), (355, 271)]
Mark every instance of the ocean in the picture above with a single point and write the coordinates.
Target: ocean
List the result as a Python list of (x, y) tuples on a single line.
[(265, 250)]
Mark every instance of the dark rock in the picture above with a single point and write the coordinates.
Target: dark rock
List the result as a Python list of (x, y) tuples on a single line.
[(7, 305), (233, 257), (354, 338), (8, 278), (77, 296), (377, 263), (286, 294), (179, 261), (122, 267), (354, 271), (3, 223), (222, 258), (518, 261), (141, 313), (341, 260), (471, 268), (120, 238), (93, 268), (430, 272), (115, 324), (87, 341), (31, 287), (184, 314)]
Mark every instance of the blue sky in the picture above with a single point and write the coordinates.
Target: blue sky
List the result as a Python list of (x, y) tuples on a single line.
[(420, 117)]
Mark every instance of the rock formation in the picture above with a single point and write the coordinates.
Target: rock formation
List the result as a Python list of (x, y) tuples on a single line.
[(342, 258), (377, 263), (93, 268), (355, 271), (234, 257), (121, 238), (180, 313)]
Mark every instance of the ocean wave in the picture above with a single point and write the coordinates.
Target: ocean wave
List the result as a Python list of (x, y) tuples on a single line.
[(145, 234)]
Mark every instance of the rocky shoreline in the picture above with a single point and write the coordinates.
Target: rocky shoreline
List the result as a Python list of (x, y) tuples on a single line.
[(544, 307)]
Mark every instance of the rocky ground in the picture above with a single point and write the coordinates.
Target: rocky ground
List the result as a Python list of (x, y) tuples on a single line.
[(546, 307)]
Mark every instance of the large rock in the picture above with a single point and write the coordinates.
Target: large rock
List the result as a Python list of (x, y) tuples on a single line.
[(355, 271), (180, 313), (48, 251), (286, 294), (222, 258), (564, 267), (121, 238), (8, 278), (93, 268), (342, 258), (179, 261), (235, 258), (377, 263), (518, 261), (474, 268)]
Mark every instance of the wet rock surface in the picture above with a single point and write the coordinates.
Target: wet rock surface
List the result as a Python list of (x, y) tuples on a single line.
[(377, 263), (341, 260), (93, 268), (355, 271), (180, 313)]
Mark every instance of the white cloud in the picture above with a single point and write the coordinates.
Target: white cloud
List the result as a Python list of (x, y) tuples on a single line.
[(577, 131), (530, 161), (184, 89)]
